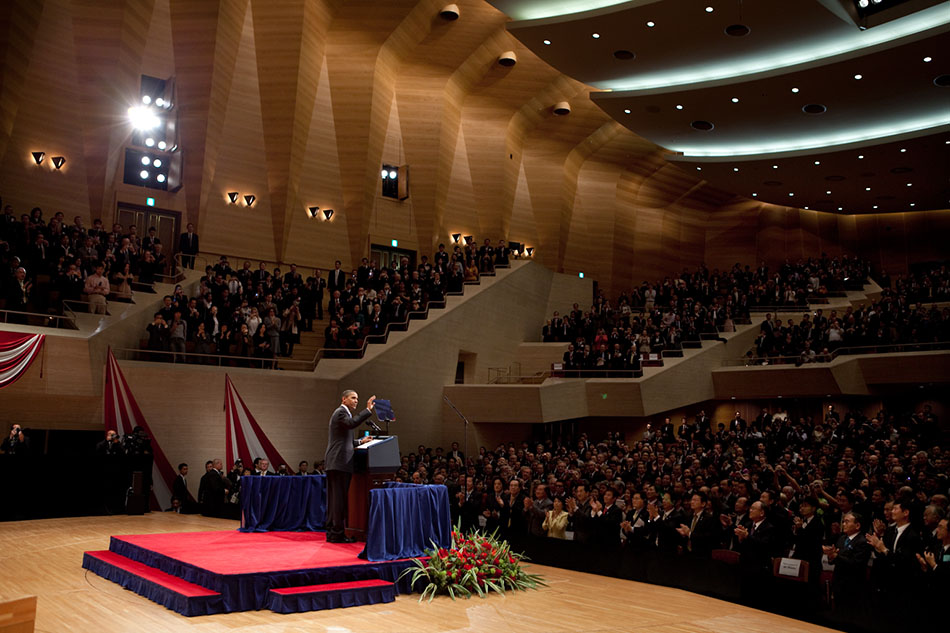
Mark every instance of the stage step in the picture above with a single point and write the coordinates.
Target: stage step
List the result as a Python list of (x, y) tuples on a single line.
[(330, 596), (170, 591)]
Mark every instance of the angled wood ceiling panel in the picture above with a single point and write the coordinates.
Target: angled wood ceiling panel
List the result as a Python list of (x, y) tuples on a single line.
[(19, 21)]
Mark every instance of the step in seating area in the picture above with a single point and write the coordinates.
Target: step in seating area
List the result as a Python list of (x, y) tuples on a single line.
[(330, 596)]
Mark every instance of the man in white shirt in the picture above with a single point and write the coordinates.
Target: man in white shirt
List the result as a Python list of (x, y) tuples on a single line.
[(97, 289)]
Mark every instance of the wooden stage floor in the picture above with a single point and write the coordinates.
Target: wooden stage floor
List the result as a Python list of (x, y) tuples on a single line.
[(44, 558)]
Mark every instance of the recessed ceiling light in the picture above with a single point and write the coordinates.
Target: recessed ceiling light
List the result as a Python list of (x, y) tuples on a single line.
[(737, 169), (709, 9), (790, 194), (875, 206), (910, 184), (774, 166), (754, 194), (903, 149), (817, 162), (867, 188), (596, 36), (806, 208), (680, 107), (859, 76), (928, 59), (735, 99), (860, 156), (699, 169), (828, 193), (651, 24), (547, 42), (913, 204), (795, 90), (626, 111)]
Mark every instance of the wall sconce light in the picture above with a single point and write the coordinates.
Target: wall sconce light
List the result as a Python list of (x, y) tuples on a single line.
[(529, 250), (456, 237), (233, 196), (313, 211), (249, 199), (58, 161), (327, 214), (38, 157), (469, 239)]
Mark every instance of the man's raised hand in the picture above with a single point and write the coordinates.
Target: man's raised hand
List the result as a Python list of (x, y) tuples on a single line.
[(371, 403)]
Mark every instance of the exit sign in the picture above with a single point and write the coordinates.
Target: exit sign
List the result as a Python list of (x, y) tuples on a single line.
[(395, 243), (150, 202)]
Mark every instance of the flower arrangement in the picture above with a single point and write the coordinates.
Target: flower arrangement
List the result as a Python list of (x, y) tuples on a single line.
[(477, 563)]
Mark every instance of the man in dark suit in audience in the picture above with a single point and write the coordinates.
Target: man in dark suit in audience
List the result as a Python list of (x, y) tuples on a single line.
[(579, 510), (336, 279), (757, 546), (895, 559), (808, 533), (700, 533), (212, 490), (180, 490), (188, 246), (339, 461), (850, 556)]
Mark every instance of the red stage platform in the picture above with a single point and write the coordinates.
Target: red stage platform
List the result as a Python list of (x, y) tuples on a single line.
[(199, 573)]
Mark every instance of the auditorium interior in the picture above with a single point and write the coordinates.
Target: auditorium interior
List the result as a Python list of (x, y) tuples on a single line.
[(664, 245)]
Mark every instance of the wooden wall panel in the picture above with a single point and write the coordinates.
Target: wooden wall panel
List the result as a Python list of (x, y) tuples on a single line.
[(19, 21), (312, 241), (49, 83), (522, 227), (731, 235), (236, 229), (770, 238), (811, 240), (828, 231), (462, 212), (892, 241)]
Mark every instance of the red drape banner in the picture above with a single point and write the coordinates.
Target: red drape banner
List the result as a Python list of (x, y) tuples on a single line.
[(122, 414), (17, 352), (245, 439)]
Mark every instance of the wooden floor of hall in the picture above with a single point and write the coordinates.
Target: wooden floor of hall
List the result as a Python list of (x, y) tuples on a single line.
[(44, 558)]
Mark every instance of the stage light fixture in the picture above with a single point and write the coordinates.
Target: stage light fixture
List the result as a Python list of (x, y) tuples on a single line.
[(327, 214), (146, 99), (143, 118), (384, 174), (145, 161), (160, 178), (162, 145), (249, 199), (456, 237), (143, 175), (156, 163), (150, 142), (233, 196), (160, 102), (58, 161), (38, 157), (393, 174)]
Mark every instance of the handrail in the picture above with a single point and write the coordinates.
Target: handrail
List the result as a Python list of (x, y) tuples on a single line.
[(219, 360), (39, 319), (761, 361)]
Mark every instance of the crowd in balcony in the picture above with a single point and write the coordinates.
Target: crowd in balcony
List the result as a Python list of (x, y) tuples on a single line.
[(260, 313), (841, 492), (906, 314), (45, 262)]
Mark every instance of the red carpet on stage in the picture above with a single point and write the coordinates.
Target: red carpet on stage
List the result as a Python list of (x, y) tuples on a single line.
[(243, 553), (200, 573)]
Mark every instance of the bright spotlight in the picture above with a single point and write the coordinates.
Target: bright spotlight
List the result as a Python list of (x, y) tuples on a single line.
[(160, 102), (162, 145), (146, 99), (160, 178), (143, 175), (145, 160), (143, 118), (385, 174), (156, 163), (149, 141), (393, 174)]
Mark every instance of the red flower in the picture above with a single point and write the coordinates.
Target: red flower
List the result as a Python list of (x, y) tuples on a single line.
[(466, 566)]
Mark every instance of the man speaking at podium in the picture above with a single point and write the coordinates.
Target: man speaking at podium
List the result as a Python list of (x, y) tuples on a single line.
[(339, 461)]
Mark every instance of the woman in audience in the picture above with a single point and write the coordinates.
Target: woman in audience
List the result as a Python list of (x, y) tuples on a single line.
[(122, 282), (203, 342), (253, 321), (555, 521)]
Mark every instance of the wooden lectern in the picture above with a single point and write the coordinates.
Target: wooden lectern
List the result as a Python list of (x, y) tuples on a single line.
[(374, 463)]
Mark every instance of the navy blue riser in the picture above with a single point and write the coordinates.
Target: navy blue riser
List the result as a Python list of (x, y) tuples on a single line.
[(319, 600), (185, 605), (247, 592)]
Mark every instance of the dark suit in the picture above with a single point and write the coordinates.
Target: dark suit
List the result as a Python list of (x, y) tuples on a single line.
[(188, 247), (211, 491), (584, 526), (639, 536), (898, 569), (339, 467), (703, 536), (180, 491), (608, 526), (849, 581), (807, 541), (336, 280)]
